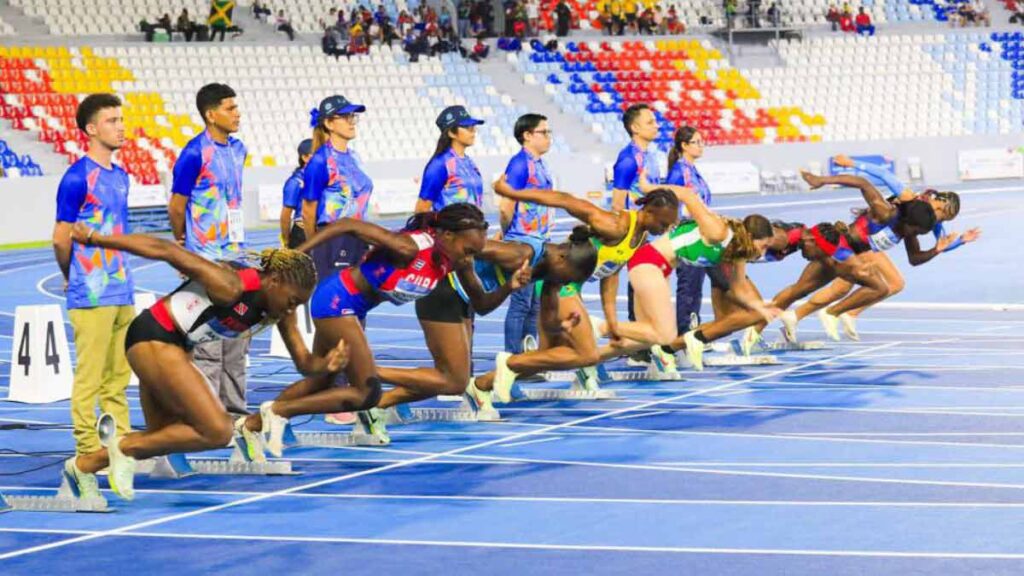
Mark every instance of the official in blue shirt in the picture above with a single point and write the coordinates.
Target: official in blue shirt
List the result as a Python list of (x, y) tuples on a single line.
[(451, 175), (336, 186), (526, 171), (687, 147), (292, 234), (98, 282)]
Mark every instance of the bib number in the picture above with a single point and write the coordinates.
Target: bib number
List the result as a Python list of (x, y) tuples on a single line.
[(236, 225)]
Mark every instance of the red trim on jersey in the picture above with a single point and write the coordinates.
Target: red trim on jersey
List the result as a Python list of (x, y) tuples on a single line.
[(250, 279), (163, 316)]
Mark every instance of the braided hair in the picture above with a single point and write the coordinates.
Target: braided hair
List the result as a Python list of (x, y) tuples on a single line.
[(659, 198), (453, 218), (289, 265)]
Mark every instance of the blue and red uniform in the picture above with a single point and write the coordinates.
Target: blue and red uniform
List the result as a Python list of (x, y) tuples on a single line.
[(794, 232), (337, 295)]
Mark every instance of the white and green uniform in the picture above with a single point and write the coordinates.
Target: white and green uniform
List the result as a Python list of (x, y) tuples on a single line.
[(690, 248)]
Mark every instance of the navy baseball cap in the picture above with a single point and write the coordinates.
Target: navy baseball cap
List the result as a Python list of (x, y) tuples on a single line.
[(453, 116), (337, 105), (305, 147)]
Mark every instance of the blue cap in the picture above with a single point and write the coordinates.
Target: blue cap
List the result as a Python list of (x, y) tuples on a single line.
[(337, 105), (453, 116), (306, 147)]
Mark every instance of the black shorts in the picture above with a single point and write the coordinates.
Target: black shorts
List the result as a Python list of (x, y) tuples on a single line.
[(145, 328), (297, 235), (721, 276), (443, 305), (337, 253)]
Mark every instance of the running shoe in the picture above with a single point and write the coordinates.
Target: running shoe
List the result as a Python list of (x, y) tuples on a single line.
[(84, 485), (665, 362), (587, 379), (849, 323), (789, 322), (273, 427), (694, 351), (750, 340), (480, 402), (504, 377), (340, 418), (121, 472), (374, 423), (250, 444), (830, 323)]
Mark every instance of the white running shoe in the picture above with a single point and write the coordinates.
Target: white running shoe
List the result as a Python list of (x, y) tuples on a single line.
[(694, 351), (750, 339), (249, 443), (481, 403), (664, 361), (121, 472), (830, 323), (273, 427), (504, 377), (849, 323), (789, 322), (83, 485), (529, 343)]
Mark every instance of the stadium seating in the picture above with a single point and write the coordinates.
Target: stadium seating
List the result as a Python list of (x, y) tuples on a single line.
[(14, 165), (686, 81), (277, 86), (5, 28)]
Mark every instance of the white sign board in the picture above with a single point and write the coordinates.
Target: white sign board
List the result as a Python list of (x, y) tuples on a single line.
[(40, 360), (730, 177), (989, 163), (270, 197), (146, 196), (394, 196)]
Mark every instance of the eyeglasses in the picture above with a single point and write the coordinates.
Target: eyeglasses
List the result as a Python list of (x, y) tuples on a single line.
[(696, 143), (547, 132), (351, 118)]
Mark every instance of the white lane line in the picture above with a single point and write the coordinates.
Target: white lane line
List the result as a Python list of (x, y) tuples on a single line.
[(427, 458), (537, 441), (643, 414)]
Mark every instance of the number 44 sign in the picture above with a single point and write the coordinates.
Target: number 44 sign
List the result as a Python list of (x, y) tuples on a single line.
[(40, 360)]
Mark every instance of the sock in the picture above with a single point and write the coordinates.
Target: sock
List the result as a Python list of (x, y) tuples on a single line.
[(699, 335)]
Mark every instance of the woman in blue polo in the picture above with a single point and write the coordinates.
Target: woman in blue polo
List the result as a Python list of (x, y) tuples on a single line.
[(335, 185)]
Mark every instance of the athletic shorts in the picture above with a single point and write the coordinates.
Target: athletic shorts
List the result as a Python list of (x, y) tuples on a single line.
[(336, 296), (443, 305), (648, 254), (337, 254), (146, 328)]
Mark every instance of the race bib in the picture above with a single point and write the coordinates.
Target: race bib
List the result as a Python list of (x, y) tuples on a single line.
[(236, 225), (884, 239)]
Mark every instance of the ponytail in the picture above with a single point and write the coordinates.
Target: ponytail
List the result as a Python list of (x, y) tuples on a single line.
[(444, 142), (683, 136), (453, 218)]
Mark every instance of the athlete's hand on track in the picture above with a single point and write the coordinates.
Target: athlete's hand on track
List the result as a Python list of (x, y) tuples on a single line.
[(337, 359), (971, 235)]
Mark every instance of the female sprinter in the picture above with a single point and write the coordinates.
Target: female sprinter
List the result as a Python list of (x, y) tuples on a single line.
[(552, 264), (569, 342), (404, 266), (707, 241), (946, 206), (218, 301)]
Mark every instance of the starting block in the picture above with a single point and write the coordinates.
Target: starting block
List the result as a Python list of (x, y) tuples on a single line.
[(576, 391), (783, 346), (336, 439), (178, 466), (738, 360), (64, 501)]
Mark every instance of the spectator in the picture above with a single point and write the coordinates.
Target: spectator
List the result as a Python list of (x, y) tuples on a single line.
[(462, 12), (357, 41), (405, 23), (864, 25), (284, 25), (521, 21), (332, 42), (847, 10), (604, 18), (832, 17), (618, 18), (374, 35), (165, 23), (846, 23), (1017, 8), (629, 10), (673, 23), (645, 22), (563, 18), (774, 15), (445, 19), (660, 25), (981, 14), (480, 50), (730, 13), (415, 44), (261, 12), (185, 25), (533, 16)]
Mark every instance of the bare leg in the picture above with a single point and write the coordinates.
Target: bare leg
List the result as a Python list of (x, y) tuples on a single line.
[(449, 345), (822, 298), (863, 296)]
